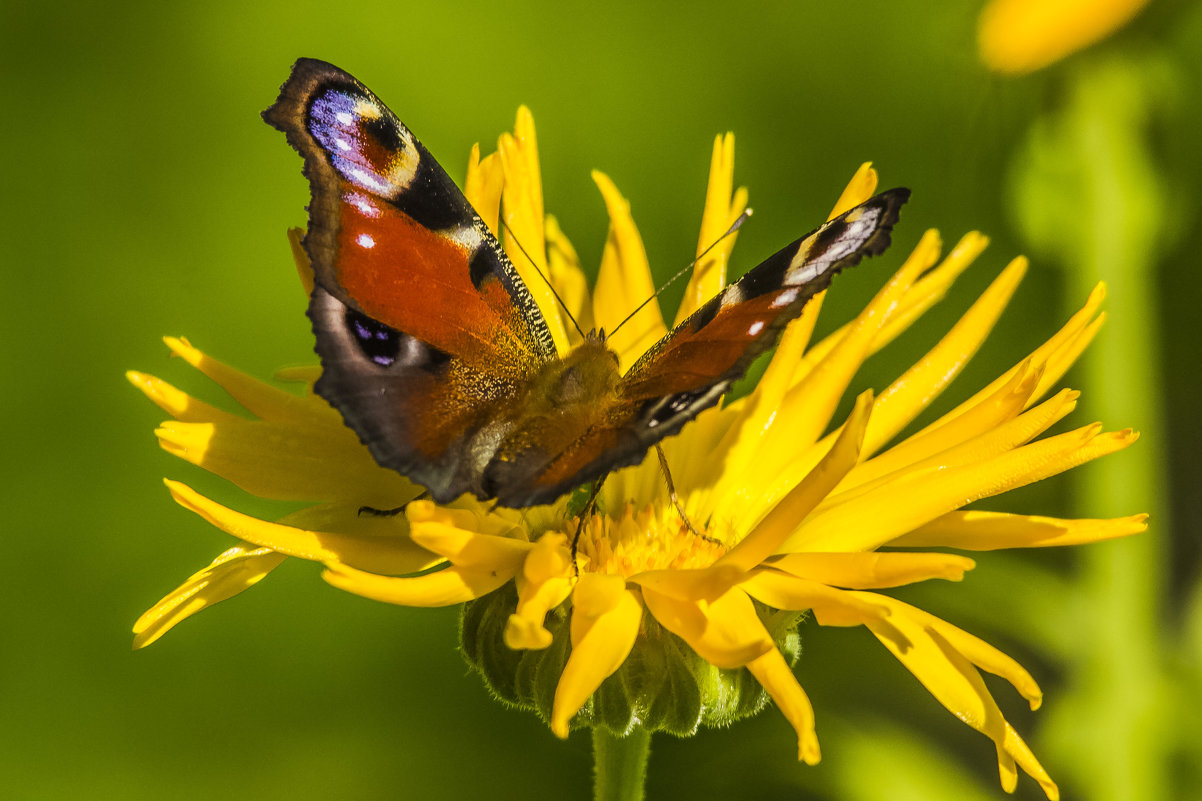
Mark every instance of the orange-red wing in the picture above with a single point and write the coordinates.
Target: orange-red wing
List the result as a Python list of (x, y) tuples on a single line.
[(392, 237)]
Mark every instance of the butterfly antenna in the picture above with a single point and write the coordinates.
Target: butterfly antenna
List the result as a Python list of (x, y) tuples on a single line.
[(546, 280), (733, 227)]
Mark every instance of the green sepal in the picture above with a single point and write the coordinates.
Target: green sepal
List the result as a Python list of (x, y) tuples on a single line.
[(661, 686)]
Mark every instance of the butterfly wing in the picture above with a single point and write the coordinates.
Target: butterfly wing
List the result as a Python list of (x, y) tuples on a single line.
[(692, 367), (423, 326)]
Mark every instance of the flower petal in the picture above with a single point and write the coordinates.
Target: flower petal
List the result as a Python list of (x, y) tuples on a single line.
[(285, 461), (454, 585), (177, 403), (524, 234), (914, 391), (624, 282), (563, 267), (723, 205), (260, 399), (807, 407), (1020, 36), (873, 570), (773, 672), (919, 496), (377, 544), (237, 569), (919, 298), (784, 517), (987, 531), (987, 416), (942, 658), (544, 582), (304, 269), (482, 186), (859, 189), (456, 535), (726, 632), (605, 624), (967, 439), (1052, 358), (781, 591)]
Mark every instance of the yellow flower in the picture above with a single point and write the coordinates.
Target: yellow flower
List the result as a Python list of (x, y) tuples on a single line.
[(633, 616), (1020, 36)]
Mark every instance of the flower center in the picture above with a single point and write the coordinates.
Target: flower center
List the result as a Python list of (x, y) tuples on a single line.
[(653, 539)]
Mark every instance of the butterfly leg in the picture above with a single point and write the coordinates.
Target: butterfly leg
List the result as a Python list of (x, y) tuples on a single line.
[(374, 512), (584, 516), (663, 465)]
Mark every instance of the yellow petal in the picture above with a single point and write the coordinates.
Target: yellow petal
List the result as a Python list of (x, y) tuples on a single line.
[(942, 658), (453, 534), (624, 282), (524, 236), (987, 531), (914, 391), (725, 632), (692, 586), (605, 625), (303, 373), (783, 518), (304, 269), (807, 407), (991, 412), (723, 205), (483, 185), (178, 404), (569, 280), (367, 547), (919, 496), (919, 298), (287, 461), (454, 585), (544, 582), (258, 398), (782, 591), (862, 186), (773, 673), (230, 573), (1020, 36), (811, 401), (873, 570), (1052, 358), (956, 444)]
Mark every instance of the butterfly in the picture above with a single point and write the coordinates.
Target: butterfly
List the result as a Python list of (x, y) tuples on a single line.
[(434, 350)]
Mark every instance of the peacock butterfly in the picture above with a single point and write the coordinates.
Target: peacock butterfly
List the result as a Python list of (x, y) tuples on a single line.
[(434, 350)]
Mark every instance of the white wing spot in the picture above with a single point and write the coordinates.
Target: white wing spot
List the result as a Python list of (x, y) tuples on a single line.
[(365, 241), (344, 117), (363, 204), (468, 236), (785, 298), (756, 327), (367, 180)]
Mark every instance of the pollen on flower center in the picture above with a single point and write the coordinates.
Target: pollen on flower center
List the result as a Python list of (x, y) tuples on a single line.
[(656, 538)]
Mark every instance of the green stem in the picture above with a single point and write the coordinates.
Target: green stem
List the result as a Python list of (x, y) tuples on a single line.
[(1122, 381), (1095, 199), (620, 764)]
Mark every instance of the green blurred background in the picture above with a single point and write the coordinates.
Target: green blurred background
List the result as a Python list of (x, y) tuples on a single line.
[(147, 198)]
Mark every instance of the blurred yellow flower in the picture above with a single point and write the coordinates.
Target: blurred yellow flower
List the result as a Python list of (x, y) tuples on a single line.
[(631, 616), (1020, 36)]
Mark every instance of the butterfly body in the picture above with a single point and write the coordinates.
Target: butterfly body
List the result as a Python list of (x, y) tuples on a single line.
[(434, 350)]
